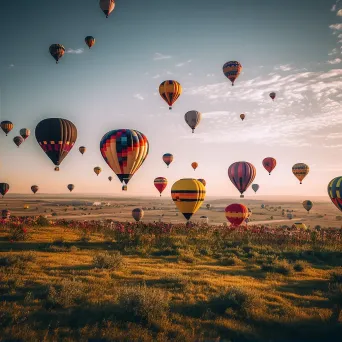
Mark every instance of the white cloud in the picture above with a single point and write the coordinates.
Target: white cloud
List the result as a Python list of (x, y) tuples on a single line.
[(169, 73), (180, 64), (190, 74), (336, 27), (210, 75), (335, 61), (285, 67), (11, 66), (339, 13), (333, 146), (139, 97), (156, 76), (75, 52), (189, 60), (332, 52), (159, 56)]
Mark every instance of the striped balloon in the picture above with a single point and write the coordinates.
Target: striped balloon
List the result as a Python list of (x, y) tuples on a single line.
[(6, 126), (269, 164), (4, 187), (307, 205), (160, 183), (57, 51), (170, 91), (18, 140), (232, 70), (241, 174), (167, 158), (137, 214), (188, 194), (25, 133), (335, 192), (300, 170), (236, 213), (34, 188), (107, 6), (202, 181)]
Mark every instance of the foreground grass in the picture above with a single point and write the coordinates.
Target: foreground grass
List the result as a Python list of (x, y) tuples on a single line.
[(60, 286)]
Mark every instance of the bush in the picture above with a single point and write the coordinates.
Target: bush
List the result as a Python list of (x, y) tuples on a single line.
[(277, 266), (231, 261), (18, 260), (42, 221), (336, 277), (108, 260), (18, 233), (300, 266)]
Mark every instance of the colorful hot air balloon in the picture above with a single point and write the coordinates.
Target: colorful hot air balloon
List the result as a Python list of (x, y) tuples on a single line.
[(90, 41), (160, 183), (25, 133), (6, 126), (335, 192), (107, 6), (289, 216), (262, 206), (300, 170), (255, 187), (56, 137), (242, 116), (57, 51), (71, 187), (5, 214), (241, 174), (82, 149), (232, 70), (208, 206), (194, 165), (124, 150), (97, 170), (299, 225), (4, 187), (269, 164), (124, 187), (188, 195), (137, 214), (236, 213), (167, 158), (193, 118), (18, 140), (202, 181), (307, 205), (272, 95), (34, 188), (110, 178), (170, 92)]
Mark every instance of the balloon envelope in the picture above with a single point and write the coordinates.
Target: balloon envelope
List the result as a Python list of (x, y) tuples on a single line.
[(300, 170), (255, 187), (167, 158), (18, 140), (6, 126), (71, 187), (193, 118), (236, 213), (97, 170), (57, 51), (90, 41), (25, 133), (269, 164), (335, 192), (160, 183), (4, 187), (137, 214), (82, 149), (242, 116), (170, 91), (194, 165), (232, 70), (34, 188), (241, 174), (307, 205), (107, 6)]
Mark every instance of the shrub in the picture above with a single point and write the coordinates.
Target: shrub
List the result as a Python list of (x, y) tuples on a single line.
[(336, 277), (42, 221), (108, 260), (300, 266), (231, 261), (277, 266), (18, 260), (18, 233)]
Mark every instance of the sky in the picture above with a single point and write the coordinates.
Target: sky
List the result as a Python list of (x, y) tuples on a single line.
[(290, 47)]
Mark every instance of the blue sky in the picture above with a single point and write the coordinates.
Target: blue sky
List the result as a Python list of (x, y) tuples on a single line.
[(292, 47)]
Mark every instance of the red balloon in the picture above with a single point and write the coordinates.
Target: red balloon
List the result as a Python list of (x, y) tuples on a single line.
[(269, 164), (160, 183), (236, 213), (242, 175)]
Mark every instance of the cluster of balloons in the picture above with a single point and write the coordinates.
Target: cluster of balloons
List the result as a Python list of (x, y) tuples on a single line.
[(24, 133)]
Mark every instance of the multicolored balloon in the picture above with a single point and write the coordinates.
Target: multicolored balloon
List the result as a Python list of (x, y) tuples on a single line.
[(242, 175), (300, 170), (202, 181), (188, 194), (57, 51), (236, 213), (4, 187), (242, 116), (56, 137), (25, 133), (170, 92), (82, 149), (124, 150), (160, 183), (71, 187), (269, 164), (6, 126), (232, 70), (34, 188), (194, 165), (193, 118), (273, 96), (107, 6), (137, 214), (307, 205), (299, 225), (97, 170), (18, 140), (90, 41), (167, 158), (335, 192), (255, 187)]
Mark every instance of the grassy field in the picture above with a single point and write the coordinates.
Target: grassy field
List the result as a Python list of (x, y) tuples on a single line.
[(70, 284)]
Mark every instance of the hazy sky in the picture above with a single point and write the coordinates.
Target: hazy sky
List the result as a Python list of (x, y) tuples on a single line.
[(291, 47)]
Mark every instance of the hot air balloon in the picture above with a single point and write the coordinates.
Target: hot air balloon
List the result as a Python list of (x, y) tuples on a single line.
[(202, 181), (335, 192), (56, 137), (307, 205), (90, 41), (289, 216), (160, 183), (170, 92), (236, 213), (6, 126), (193, 118), (188, 195), (255, 187), (5, 214), (300, 170), (82, 149), (299, 225), (26, 206), (4, 187), (262, 206), (71, 187), (18, 140), (57, 51), (208, 206), (167, 158), (272, 96), (34, 188), (124, 187), (194, 165), (107, 6), (110, 178), (242, 116), (269, 164), (241, 174), (124, 150), (97, 170), (25, 133), (232, 70), (137, 214)]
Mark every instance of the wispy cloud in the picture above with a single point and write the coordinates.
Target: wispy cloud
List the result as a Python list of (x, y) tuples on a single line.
[(159, 56), (75, 52), (11, 66), (180, 64), (210, 75), (139, 97), (284, 67), (335, 61), (334, 6), (336, 27), (156, 76), (332, 52)]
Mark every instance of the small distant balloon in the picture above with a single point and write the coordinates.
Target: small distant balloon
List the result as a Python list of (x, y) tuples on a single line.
[(4, 187), (110, 178), (82, 149), (34, 188), (6, 126), (307, 205), (25, 133), (71, 187), (160, 183), (18, 140), (194, 165), (167, 158), (255, 187), (107, 6), (193, 118), (90, 41), (269, 164), (97, 170), (57, 51), (273, 96), (300, 170), (232, 70), (242, 116), (170, 91), (137, 214)]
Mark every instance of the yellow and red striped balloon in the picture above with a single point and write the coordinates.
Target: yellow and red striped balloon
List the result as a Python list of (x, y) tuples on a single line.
[(170, 91), (160, 183)]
